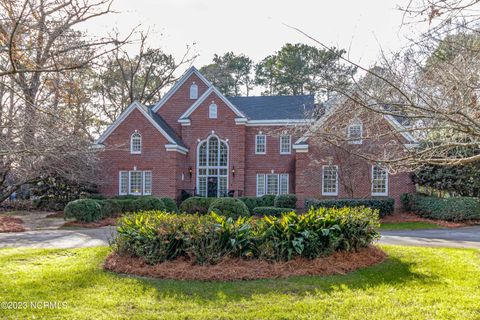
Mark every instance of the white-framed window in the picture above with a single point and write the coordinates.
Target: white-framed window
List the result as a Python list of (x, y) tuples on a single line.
[(147, 182), (272, 183), (260, 144), (330, 180), (379, 181), (136, 143), (193, 91), (135, 182), (285, 144), (123, 183), (212, 111), (355, 132)]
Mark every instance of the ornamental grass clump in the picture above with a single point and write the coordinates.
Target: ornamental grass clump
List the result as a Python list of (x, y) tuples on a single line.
[(158, 236)]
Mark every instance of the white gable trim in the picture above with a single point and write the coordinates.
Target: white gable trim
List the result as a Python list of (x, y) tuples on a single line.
[(124, 115), (401, 129), (178, 84), (204, 97)]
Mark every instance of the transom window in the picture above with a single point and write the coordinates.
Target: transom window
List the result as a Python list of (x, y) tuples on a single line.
[(193, 91), (135, 182), (212, 111), (285, 144), (136, 143), (272, 183), (260, 144), (379, 181), (355, 132), (212, 165), (330, 180)]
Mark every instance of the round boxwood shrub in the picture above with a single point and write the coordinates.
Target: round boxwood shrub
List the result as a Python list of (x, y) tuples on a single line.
[(267, 200), (85, 210), (196, 205), (251, 202), (229, 207), (286, 201), (148, 203), (170, 205)]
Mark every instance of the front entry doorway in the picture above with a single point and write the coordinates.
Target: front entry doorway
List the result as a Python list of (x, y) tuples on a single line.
[(212, 168)]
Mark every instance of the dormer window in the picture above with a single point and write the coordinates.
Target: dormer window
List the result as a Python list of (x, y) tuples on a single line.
[(136, 143), (193, 91), (355, 132), (212, 111)]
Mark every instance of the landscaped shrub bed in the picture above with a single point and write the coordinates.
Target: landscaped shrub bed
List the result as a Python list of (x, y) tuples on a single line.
[(270, 211), (91, 210), (286, 201), (384, 206), (229, 207), (159, 236), (196, 205), (449, 209)]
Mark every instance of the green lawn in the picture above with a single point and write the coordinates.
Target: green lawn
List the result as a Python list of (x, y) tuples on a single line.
[(415, 283), (408, 225)]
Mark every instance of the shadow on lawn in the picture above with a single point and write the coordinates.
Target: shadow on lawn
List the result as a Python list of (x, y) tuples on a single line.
[(392, 272)]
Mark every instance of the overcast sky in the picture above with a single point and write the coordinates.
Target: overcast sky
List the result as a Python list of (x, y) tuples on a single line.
[(256, 28)]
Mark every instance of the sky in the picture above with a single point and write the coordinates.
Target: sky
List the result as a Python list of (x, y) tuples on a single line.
[(258, 28)]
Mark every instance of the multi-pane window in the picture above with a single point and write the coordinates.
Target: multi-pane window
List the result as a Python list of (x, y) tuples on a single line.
[(212, 179), (212, 111), (285, 144), (355, 133), (135, 182), (330, 180), (260, 144), (193, 91), (272, 184), (136, 143), (379, 181)]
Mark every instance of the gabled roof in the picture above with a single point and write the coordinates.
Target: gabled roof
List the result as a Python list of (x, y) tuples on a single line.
[(153, 118), (204, 96), (178, 84), (275, 107)]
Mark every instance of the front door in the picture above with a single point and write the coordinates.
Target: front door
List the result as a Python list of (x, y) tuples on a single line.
[(212, 187)]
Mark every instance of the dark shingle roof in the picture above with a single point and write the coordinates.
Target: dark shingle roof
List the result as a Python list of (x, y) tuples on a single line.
[(164, 125), (274, 107)]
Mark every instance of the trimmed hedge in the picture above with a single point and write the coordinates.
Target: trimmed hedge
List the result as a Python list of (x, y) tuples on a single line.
[(251, 202), (209, 238), (229, 207), (385, 206), (271, 211), (286, 201), (450, 209), (85, 210), (196, 205), (170, 205), (267, 200)]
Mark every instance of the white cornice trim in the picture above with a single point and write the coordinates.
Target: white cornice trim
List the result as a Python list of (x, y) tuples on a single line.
[(176, 147), (300, 148), (178, 84), (241, 121), (202, 99), (279, 122)]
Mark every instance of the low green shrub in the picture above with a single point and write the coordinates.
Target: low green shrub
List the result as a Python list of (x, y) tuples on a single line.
[(229, 207), (251, 202), (170, 204), (85, 210), (196, 205), (384, 206), (158, 236), (267, 200), (450, 209), (270, 211), (286, 201)]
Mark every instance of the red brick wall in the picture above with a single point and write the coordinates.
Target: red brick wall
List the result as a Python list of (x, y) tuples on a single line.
[(180, 101), (154, 157)]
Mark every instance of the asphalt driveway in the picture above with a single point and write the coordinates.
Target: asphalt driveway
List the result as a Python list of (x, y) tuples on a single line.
[(468, 237)]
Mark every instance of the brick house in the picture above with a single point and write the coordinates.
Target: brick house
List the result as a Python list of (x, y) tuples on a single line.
[(196, 140)]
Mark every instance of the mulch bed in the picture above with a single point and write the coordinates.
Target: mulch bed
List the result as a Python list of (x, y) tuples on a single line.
[(11, 224), (240, 269), (412, 217), (97, 224), (58, 214)]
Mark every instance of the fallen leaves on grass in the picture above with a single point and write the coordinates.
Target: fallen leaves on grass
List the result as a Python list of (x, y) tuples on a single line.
[(241, 269), (97, 224), (11, 224)]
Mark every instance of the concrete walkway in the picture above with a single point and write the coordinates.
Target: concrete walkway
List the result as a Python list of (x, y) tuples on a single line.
[(468, 237)]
